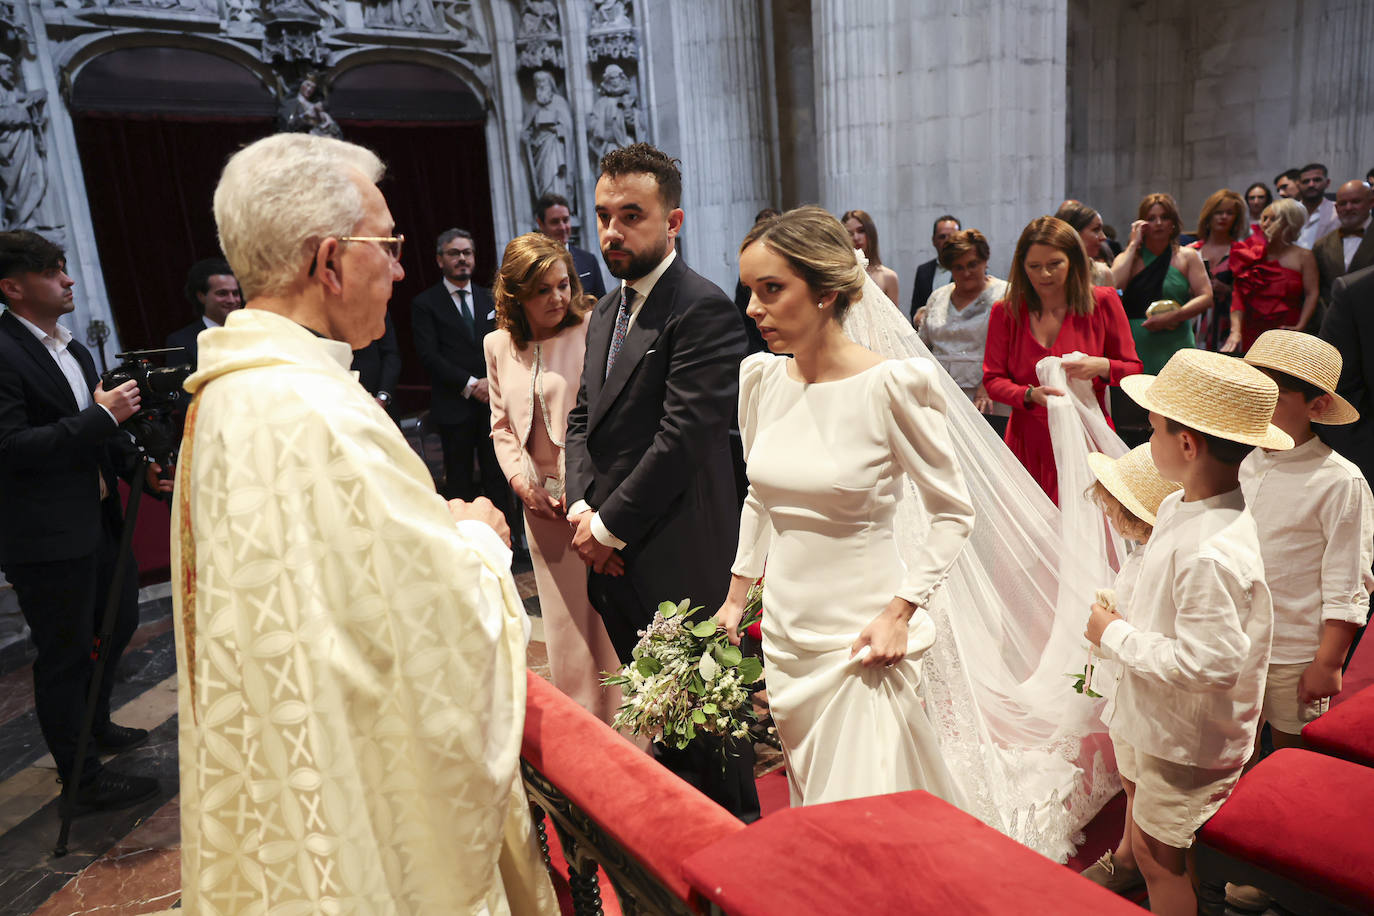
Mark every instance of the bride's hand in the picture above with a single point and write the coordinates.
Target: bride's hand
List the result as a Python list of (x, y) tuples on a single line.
[(885, 635), (728, 618)]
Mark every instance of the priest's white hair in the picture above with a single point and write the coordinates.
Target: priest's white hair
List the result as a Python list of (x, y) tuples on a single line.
[(279, 197)]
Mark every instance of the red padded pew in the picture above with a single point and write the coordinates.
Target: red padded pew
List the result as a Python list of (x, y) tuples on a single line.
[(1346, 730), (908, 853), (1299, 827)]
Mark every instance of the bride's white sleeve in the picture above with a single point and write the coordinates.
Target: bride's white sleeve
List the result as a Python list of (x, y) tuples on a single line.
[(919, 437), (755, 527)]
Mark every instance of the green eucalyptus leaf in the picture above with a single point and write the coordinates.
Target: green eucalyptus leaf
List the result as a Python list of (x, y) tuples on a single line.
[(698, 717), (667, 610), (710, 709), (704, 628), (649, 666), (684, 607), (728, 656), (750, 670)]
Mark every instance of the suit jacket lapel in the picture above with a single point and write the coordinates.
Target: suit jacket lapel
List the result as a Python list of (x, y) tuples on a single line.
[(599, 344), (1364, 254), (47, 366), (646, 329)]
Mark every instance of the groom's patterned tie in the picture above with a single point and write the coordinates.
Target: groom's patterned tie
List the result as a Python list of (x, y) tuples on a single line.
[(622, 324)]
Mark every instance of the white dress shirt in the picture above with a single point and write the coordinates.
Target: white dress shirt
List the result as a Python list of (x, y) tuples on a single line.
[(71, 369), (470, 316), (1315, 515), (1319, 222), (1194, 648), (642, 287), (1350, 243)]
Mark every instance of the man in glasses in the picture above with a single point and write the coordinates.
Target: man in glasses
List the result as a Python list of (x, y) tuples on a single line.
[(449, 321), (350, 647)]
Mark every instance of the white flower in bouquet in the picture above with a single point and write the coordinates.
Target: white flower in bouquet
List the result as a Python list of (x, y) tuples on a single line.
[(685, 679)]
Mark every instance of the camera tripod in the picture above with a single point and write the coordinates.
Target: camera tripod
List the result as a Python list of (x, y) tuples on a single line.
[(67, 803)]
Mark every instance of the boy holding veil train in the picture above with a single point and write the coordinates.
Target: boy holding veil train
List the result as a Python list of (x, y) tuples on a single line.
[(1195, 648)]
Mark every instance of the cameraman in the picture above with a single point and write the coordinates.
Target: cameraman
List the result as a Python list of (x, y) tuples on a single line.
[(60, 515)]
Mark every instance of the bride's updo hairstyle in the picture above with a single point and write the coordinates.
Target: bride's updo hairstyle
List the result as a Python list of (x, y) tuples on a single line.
[(818, 249)]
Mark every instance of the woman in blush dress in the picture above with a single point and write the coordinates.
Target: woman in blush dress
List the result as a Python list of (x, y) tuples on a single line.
[(846, 621), (954, 320), (1276, 281), (863, 234), (1051, 309), (534, 362)]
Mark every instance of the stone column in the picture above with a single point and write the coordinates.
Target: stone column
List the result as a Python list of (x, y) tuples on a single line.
[(1332, 90), (926, 109), (710, 107)]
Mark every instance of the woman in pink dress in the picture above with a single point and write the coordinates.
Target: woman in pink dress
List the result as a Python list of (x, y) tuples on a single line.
[(1051, 309), (534, 363), (1276, 281)]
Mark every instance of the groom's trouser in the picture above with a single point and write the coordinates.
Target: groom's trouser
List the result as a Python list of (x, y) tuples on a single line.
[(729, 783)]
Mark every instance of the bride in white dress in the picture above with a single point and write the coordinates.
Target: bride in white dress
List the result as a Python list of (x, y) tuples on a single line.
[(902, 652), (829, 435)]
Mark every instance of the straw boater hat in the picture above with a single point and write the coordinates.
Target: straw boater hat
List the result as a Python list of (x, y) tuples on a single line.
[(1308, 358), (1134, 480), (1214, 394)]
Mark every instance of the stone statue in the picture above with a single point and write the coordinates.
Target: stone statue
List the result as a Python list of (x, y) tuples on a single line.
[(23, 172), (546, 137), (402, 14), (307, 113), (610, 14), (614, 117), (538, 17)]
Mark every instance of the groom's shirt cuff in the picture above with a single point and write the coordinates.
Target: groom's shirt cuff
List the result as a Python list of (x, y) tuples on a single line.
[(599, 530)]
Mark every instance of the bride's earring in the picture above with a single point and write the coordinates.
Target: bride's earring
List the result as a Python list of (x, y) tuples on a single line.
[(820, 305)]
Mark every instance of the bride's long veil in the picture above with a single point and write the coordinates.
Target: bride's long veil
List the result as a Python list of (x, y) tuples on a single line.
[(1027, 749)]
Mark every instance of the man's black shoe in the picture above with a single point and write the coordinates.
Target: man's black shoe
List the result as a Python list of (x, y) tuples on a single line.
[(116, 738), (109, 791)]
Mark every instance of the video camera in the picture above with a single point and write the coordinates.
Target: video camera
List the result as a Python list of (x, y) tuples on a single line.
[(154, 427)]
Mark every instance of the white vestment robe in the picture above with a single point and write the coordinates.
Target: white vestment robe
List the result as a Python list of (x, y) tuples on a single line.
[(351, 662)]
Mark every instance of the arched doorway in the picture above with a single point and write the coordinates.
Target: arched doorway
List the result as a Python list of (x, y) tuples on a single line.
[(430, 130), (153, 128)]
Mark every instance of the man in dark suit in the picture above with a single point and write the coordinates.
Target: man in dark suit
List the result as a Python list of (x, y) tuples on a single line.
[(554, 218), (1349, 327), (1350, 247), (449, 321), (212, 293), (650, 486), (60, 449), (930, 275), (379, 366)]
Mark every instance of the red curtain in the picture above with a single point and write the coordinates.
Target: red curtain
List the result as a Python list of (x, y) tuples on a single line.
[(150, 181)]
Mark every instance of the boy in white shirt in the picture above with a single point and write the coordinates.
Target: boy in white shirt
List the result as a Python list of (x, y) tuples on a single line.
[(1315, 515), (1194, 652)]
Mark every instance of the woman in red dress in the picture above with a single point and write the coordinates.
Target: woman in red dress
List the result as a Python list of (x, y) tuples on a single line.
[(1051, 309), (1275, 280)]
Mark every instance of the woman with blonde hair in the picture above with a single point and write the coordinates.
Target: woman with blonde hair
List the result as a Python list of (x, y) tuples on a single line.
[(1276, 281), (889, 598), (1220, 225), (534, 364), (1153, 269), (863, 234), (1052, 309)]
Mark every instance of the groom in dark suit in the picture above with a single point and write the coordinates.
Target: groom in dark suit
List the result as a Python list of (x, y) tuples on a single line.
[(449, 321), (60, 516), (650, 485)]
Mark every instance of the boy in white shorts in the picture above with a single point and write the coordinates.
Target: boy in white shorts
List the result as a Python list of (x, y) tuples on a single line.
[(1315, 515), (1194, 651)]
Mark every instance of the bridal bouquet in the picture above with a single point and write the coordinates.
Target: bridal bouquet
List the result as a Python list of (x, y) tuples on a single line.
[(686, 679)]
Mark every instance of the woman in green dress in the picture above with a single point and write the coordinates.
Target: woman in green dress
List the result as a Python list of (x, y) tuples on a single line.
[(1154, 268)]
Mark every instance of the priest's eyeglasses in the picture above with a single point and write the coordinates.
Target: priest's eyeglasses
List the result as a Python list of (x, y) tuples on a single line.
[(391, 244)]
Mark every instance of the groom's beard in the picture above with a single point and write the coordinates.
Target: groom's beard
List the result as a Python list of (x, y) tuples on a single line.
[(637, 265)]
